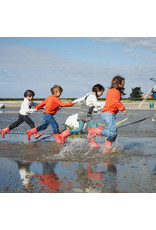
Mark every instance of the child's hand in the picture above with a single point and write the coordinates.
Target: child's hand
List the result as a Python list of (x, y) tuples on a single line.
[(75, 101), (124, 112)]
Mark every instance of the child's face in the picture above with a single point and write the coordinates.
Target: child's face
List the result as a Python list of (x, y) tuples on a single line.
[(122, 84), (29, 98), (99, 93), (57, 94)]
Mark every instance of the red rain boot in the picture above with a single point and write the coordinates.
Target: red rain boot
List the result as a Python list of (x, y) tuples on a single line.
[(37, 135), (93, 144), (5, 130), (107, 147), (30, 132), (63, 135), (94, 131), (57, 138)]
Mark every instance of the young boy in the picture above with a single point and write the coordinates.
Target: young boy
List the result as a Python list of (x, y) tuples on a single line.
[(52, 104), (24, 114)]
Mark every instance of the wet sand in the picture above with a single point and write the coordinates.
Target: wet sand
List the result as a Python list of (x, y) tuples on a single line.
[(42, 166)]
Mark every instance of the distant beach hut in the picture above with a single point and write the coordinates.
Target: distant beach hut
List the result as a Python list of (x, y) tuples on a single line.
[(154, 94)]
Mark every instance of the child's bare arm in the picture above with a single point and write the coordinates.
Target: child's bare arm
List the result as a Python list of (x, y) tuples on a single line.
[(125, 112)]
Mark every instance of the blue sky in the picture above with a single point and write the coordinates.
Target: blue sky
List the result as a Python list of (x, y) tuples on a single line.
[(75, 63)]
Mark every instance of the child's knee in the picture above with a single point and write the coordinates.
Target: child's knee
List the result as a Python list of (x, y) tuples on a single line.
[(55, 128), (44, 126), (80, 129)]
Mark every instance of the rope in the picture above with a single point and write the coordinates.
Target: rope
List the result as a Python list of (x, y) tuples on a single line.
[(135, 122), (143, 119), (148, 94), (120, 122)]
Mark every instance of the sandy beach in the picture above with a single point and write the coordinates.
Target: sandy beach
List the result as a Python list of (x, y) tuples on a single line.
[(42, 166), (128, 105)]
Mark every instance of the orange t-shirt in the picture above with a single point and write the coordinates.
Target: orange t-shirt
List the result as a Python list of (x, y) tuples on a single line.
[(113, 104), (52, 104)]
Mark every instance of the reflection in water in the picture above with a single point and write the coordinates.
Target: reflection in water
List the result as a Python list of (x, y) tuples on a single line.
[(69, 177), (25, 173), (105, 180), (154, 170), (50, 181), (56, 177)]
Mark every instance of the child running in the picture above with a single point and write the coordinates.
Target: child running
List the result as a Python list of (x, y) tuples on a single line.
[(52, 104), (89, 101), (110, 109), (24, 114)]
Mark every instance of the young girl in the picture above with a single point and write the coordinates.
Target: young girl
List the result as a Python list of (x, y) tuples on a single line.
[(24, 114), (52, 104), (85, 114), (111, 108)]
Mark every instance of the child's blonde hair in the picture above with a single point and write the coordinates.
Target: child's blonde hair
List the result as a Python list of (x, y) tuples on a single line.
[(56, 88)]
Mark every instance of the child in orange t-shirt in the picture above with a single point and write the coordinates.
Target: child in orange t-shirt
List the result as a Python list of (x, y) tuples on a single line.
[(110, 109), (52, 104)]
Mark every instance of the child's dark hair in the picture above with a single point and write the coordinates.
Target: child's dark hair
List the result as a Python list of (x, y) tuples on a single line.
[(29, 93), (97, 88), (56, 88), (116, 81)]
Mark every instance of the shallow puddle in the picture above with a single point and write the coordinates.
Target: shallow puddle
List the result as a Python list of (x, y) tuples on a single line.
[(42, 166)]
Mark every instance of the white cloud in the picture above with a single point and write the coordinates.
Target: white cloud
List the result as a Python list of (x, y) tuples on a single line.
[(22, 67), (129, 51), (137, 42)]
